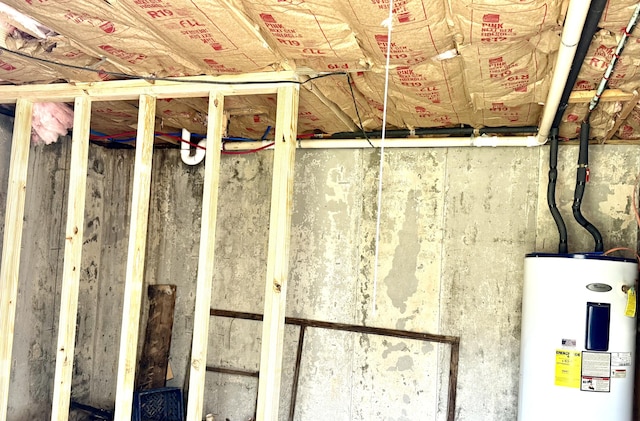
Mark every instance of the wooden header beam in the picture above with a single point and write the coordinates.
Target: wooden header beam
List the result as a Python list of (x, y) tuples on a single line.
[(179, 87)]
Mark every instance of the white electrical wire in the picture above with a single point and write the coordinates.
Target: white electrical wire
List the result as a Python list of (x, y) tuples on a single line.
[(389, 24)]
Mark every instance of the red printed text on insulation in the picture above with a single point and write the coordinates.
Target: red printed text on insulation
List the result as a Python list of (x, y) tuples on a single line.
[(283, 35), (308, 115), (203, 35), (7, 67), (219, 67), (396, 52), (428, 90), (423, 113), (129, 57), (510, 77), (503, 111), (400, 9), (151, 4), (493, 30), (85, 18), (601, 57)]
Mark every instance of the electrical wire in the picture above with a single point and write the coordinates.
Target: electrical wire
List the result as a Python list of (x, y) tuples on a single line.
[(381, 169), (164, 79), (355, 105), (175, 136)]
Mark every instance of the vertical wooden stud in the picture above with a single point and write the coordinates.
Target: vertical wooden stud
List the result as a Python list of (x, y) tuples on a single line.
[(72, 259), (206, 258), (10, 266), (135, 257), (278, 254)]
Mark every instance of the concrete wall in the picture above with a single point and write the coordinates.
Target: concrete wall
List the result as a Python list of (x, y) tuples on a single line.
[(454, 227)]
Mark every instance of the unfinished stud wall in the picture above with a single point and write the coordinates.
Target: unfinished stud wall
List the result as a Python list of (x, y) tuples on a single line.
[(455, 226)]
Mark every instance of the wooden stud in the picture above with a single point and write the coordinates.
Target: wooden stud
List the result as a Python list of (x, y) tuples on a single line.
[(72, 259), (12, 245), (626, 110), (278, 254), (178, 87), (608, 95), (135, 258), (200, 342)]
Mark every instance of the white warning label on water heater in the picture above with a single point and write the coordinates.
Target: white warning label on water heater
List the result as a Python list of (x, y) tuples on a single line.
[(596, 364), (595, 384), (621, 359), (596, 372)]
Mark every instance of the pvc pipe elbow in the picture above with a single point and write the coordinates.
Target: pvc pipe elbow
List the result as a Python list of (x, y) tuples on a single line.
[(185, 150)]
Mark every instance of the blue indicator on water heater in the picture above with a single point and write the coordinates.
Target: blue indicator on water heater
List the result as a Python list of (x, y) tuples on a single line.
[(598, 326)]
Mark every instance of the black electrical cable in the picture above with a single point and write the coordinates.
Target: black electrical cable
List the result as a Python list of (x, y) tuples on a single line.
[(581, 181), (355, 105), (166, 79), (563, 246)]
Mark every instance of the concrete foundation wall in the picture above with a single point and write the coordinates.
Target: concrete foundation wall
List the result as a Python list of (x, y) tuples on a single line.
[(454, 227)]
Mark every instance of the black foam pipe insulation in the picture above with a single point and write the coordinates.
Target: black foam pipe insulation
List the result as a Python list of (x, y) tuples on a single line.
[(590, 27), (437, 131), (581, 181), (563, 247)]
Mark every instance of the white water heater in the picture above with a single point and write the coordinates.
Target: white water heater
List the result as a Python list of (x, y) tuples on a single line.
[(578, 338)]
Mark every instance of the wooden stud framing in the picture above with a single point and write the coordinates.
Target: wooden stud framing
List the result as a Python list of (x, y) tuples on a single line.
[(179, 87), (278, 254), (12, 245), (72, 259), (286, 85), (607, 96), (135, 258), (206, 257), (626, 110)]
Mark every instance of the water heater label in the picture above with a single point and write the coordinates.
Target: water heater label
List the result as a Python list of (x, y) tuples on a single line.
[(596, 384), (568, 365), (596, 372), (621, 359), (596, 364)]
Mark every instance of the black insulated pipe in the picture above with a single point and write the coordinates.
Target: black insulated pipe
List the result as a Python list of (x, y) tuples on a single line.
[(581, 181), (437, 131), (590, 27), (563, 247)]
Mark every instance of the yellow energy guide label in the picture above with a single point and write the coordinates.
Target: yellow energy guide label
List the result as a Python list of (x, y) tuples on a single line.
[(568, 366)]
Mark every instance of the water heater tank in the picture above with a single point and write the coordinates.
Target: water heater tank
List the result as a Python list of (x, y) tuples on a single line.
[(578, 338)]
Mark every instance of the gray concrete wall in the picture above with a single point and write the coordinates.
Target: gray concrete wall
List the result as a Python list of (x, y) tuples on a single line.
[(455, 225)]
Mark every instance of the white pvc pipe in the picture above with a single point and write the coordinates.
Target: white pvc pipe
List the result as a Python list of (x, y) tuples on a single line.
[(576, 17), (185, 150), (441, 142)]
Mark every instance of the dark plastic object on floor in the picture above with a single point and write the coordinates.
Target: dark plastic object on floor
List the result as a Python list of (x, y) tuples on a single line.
[(163, 404)]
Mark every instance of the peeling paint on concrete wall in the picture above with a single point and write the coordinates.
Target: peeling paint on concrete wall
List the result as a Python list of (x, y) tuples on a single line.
[(455, 226)]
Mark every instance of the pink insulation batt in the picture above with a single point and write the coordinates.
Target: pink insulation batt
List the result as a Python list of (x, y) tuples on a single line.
[(50, 121)]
